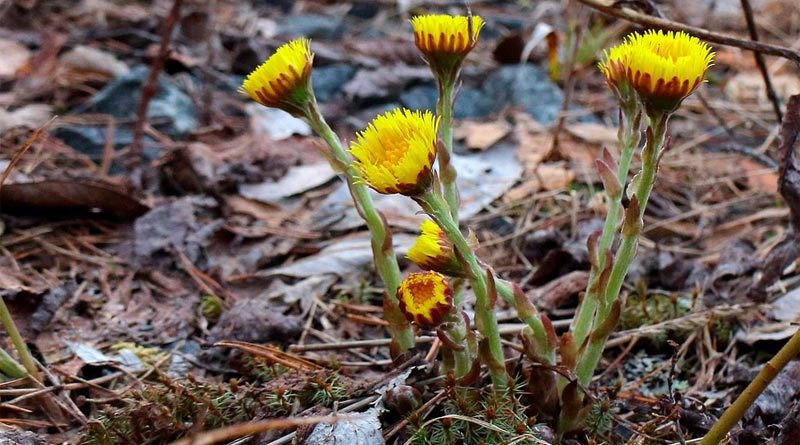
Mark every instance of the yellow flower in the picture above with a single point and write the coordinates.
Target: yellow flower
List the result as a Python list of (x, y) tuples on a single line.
[(663, 68), (446, 34), (433, 251), (282, 81), (425, 298), (395, 153), (445, 40)]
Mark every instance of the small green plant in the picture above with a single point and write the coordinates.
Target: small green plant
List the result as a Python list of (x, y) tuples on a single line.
[(281, 401), (598, 422), (324, 390), (166, 411)]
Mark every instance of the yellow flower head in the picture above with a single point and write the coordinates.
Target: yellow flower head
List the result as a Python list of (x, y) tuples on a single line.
[(433, 251), (663, 68), (282, 81), (445, 40), (446, 34), (395, 153), (425, 298)]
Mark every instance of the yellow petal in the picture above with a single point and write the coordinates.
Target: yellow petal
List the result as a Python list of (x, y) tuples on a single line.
[(281, 75), (425, 298)]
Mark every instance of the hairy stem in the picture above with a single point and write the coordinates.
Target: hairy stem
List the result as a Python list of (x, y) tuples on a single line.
[(486, 322), (382, 248), (444, 108), (629, 140), (528, 314), (590, 357)]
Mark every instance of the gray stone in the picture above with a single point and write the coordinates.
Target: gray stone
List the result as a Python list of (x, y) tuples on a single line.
[(170, 111), (329, 80), (91, 141), (527, 87), (17, 437), (313, 26), (470, 102)]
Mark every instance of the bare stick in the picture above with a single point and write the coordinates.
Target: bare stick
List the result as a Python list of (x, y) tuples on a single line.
[(762, 66), (150, 85), (736, 411), (607, 7)]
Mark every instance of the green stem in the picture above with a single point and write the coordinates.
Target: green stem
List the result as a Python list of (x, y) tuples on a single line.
[(463, 361), (19, 343), (736, 411), (10, 367), (444, 108), (582, 323), (529, 316), (588, 361), (486, 321), (382, 248)]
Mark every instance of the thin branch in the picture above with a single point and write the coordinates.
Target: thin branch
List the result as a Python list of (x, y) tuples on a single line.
[(607, 7), (151, 84), (762, 66), (736, 411)]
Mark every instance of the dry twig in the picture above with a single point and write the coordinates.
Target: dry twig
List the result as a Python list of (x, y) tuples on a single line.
[(610, 8)]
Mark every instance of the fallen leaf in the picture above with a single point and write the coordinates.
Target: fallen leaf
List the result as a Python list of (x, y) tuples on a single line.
[(70, 196), (560, 291), (29, 116), (86, 60), (554, 176), (184, 224), (551, 176), (748, 87), (787, 307), (352, 429), (534, 142), (274, 124), (759, 177), (256, 320), (347, 257), (297, 180), (481, 135), (15, 56), (769, 332), (593, 132)]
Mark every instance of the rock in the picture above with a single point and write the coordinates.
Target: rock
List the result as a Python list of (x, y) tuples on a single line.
[(527, 87), (473, 103), (364, 10), (17, 437), (313, 26), (470, 102), (329, 80), (170, 111), (420, 97)]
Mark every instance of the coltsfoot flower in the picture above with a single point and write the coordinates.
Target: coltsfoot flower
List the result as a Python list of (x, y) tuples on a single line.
[(662, 67), (445, 40), (395, 153), (425, 298), (433, 251), (283, 80)]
